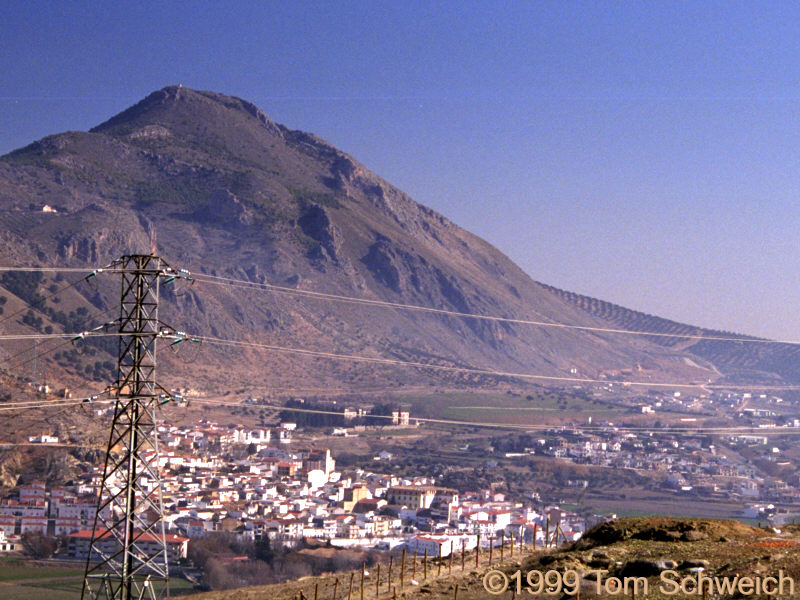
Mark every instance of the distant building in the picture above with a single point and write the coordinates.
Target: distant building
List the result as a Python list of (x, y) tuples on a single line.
[(8, 544), (43, 439), (400, 417), (441, 545), (148, 544), (419, 496)]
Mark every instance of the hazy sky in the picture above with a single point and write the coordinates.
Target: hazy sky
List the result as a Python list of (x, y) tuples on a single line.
[(644, 153)]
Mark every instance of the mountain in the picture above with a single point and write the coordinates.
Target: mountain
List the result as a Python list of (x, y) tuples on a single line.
[(213, 185)]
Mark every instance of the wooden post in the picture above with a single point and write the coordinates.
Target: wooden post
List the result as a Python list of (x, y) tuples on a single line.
[(547, 531), (403, 569), (389, 581), (455, 593), (414, 567), (363, 569), (535, 531), (450, 565), (491, 549), (463, 543), (511, 544), (439, 566), (394, 592), (478, 551), (335, 586), (502, 545), (316, 590), (350, 591), (425, 565), (378, 580)]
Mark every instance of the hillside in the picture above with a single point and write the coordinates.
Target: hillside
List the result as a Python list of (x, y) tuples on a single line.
[(642, 547), (213, 185)]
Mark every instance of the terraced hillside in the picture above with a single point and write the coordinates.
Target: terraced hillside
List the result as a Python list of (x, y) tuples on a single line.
[(739, 361)]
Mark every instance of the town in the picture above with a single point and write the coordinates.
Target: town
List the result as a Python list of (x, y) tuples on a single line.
[(281, 485), (238, 480)]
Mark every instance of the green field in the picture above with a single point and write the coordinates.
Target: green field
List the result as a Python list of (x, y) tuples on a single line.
[(13, 569), (513, 409), (21, 579)]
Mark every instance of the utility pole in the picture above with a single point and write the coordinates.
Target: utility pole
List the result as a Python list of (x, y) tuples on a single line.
[(127, 556)]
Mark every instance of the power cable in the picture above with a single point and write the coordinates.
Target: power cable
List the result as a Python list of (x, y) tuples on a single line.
[(398, 362), (54, 336), (53, 349), (217, 280), (47, 269), (544, 427), (89, 274), (42, 300)]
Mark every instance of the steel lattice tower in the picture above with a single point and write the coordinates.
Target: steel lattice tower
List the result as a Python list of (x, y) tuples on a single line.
[(127, 558)]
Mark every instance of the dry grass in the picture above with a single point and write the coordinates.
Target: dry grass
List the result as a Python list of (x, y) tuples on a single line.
[(731, 548)]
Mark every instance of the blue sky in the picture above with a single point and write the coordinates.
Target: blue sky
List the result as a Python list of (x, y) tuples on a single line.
[(643, 153)]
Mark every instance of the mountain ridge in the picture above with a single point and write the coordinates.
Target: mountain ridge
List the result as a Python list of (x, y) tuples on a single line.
[(213, 184)]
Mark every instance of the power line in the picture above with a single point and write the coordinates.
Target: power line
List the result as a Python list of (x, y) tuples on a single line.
[(43, 299), (50, 404), (80, 398), (47, 269), (66, 342), (54, 336), (701, 430), (532, 376), (49, 445), (684, 430), (231, 282), (241, 283)]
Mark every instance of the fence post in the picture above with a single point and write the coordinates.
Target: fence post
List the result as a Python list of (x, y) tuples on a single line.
[(403, 569), (547, 532), (450, 564)]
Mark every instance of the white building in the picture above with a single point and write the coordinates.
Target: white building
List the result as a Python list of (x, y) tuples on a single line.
[(441, 545)]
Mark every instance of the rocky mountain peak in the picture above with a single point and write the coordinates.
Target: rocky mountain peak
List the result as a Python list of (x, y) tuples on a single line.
[(186, 109)]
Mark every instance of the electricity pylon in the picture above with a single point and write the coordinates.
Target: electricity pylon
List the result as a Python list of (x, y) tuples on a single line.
[(127, 557)]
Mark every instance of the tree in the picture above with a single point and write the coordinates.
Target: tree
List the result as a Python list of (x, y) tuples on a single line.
[(263, 550), (39, 546)]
